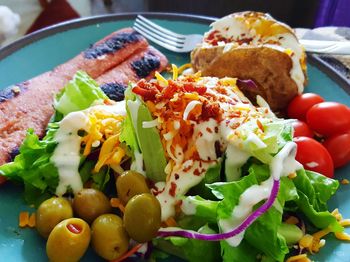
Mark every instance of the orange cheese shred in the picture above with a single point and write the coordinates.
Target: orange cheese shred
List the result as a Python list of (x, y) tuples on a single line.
[(299, 258), (115, 202), (292, 220), (128, 254), (342, 236), (32, 220), (170, 222), (184, 67), (23, 218)]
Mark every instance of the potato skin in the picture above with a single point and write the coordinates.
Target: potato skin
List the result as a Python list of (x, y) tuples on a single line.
[(267, 67)]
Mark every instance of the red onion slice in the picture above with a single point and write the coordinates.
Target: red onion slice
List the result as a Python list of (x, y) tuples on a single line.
[(165, 232), (246, 84)]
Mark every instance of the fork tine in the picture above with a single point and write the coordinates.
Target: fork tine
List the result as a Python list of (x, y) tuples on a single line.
[(156, 36), (161, 29), (154, 30), (156, 40)]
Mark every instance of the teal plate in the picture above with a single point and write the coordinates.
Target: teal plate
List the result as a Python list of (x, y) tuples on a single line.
[(48, 48)]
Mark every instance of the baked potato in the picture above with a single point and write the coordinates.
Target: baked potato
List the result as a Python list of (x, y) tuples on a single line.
[(252, 45)]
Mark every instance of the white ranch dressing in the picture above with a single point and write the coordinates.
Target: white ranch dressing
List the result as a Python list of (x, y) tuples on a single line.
[(182, 176), (188, 207), (283, 164), (66, 156), (205, 138), (235, 159)]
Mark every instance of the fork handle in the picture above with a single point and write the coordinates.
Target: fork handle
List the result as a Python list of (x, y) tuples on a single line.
[(326, 47)]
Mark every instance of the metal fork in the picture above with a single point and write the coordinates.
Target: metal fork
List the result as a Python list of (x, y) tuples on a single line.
[(166, 38), (186, 43)]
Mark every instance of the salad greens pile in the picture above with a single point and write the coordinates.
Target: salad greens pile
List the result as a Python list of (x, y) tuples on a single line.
[(32, 166), (268, 238)]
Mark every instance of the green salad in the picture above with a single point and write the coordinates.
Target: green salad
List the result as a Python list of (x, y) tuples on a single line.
[(223, 171)]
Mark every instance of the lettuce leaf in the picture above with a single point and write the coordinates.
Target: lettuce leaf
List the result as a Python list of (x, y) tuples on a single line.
[(276, 135), (314, 191), (191, 249), (80, 93), (244, 252), (147, 139), (263, 233), (204, 209), (33, 168), (99, 180)]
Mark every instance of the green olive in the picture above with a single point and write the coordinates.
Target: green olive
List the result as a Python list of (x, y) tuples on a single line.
[(130, 184), (142, 217), (50, 213), (108, 236), (90, 203), (68, 241)]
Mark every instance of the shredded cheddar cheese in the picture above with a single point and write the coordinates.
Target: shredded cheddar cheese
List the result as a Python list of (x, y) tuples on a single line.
[(299, 258), (170, 222), (175, 71), (183, 68), (342, 236), (288, 51), (31, 221), (26, 220), (115, 202), (293, 175), (344, 181), (161, 80), (292, 220), (345, 222), (104, 129), (314, 242), (23, 218)]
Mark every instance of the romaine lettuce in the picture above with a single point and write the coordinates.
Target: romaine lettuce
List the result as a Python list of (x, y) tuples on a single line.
[(192, 250), (80, 93), (314, 191), (148, 139), (263, 233), (33, 168)]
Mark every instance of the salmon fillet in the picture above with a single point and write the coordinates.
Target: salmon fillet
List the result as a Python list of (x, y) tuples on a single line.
[(29, 104), (142, 64), (31, 107), (105, 54)]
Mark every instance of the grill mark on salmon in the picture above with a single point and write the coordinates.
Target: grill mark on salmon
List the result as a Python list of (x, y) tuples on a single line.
[(112, 44), (146, 64), (96, 66), (124, 73), (11, 91), (114, 91), (14, 153)]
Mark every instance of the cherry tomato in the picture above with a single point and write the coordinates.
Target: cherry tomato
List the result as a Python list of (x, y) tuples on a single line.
[(299, 106), (2, 180), (338, 147), (329, 118), (302, 129), (314, 156)]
